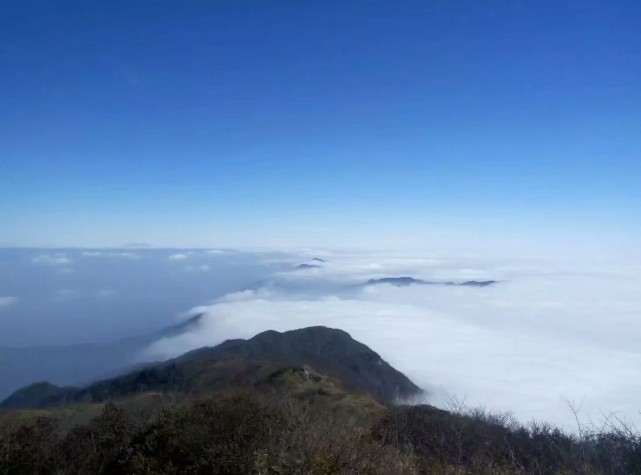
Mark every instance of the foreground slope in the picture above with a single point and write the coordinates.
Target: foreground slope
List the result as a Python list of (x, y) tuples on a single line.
[(258, 406)]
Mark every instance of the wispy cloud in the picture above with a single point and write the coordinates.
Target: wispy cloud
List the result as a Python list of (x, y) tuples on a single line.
[(58, 259), (105, 294), (61, 295), (7, 301), (178, 257), (199, 268)]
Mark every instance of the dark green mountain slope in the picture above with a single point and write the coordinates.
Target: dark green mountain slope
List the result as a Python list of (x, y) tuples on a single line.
[(241, 363)]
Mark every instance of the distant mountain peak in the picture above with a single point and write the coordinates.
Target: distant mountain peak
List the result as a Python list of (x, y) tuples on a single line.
[(38, 394), (397, 281), (181, 327), (478, 283), (307, 266), (405, 281)]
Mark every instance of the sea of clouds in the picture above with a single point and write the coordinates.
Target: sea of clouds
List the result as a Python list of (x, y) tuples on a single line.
[(551, 331)]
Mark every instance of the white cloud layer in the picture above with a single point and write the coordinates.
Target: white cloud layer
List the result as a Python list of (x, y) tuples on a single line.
[(549, 331)]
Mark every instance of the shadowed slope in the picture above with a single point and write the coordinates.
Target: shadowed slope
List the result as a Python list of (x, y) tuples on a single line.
[(242, 363)]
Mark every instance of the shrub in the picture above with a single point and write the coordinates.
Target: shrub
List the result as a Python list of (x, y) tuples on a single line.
[(243, 434)]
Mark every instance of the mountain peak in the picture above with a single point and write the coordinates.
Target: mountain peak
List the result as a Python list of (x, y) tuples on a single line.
[(327, 350), (405, 281), (398, 281), (307, 266)]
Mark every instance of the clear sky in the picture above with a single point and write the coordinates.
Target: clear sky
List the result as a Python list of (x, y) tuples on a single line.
[(246, 123)]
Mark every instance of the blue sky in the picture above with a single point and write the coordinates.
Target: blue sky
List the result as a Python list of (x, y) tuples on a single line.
[(319, 123)]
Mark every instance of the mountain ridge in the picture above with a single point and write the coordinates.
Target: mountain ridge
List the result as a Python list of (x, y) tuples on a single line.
[(406, 281), (240, 362)]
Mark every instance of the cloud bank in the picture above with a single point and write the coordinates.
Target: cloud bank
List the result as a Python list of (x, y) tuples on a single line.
[(550, 331)]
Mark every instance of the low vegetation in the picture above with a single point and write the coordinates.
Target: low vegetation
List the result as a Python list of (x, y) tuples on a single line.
[(244, 433), (263, 407)]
